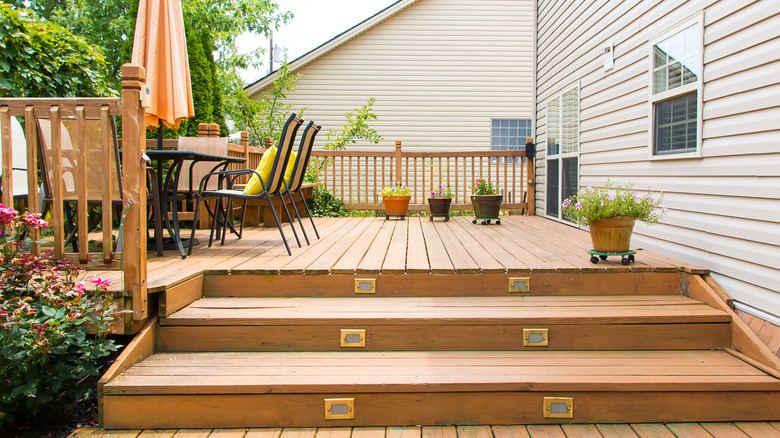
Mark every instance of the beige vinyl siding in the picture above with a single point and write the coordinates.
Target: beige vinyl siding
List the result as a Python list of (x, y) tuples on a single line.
[(439, 70), (724, 206)]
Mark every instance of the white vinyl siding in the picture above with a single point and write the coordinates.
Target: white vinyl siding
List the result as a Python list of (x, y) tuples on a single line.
[(724, 205), (440, 71)]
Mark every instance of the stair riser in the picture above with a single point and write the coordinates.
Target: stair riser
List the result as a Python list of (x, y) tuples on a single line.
[(403, 409), (423, 285), (450, 337)]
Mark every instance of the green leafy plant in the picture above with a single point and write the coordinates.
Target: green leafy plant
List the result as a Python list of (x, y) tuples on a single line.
[(39, 58), (441, 192), (355, 129), (397, 190), (52, 328), (323, 204), (594, 203), (265, 116), (484, 187)]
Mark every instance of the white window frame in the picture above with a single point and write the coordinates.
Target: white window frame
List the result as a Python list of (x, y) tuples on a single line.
[(560, 156), (698, 87)]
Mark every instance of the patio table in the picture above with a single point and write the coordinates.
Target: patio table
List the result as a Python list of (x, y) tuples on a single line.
[(168, 185)]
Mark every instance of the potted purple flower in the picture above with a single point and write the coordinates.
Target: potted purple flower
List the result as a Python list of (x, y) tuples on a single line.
[(486, 200), (439, 201)]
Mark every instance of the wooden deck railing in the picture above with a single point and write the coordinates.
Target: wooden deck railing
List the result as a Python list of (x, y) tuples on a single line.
[(133, 196), (357, 177)]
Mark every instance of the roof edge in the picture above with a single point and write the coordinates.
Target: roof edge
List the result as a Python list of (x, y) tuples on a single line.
[(331, 44)]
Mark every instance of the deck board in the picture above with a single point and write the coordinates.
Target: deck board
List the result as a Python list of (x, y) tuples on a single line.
[(435, 310), (714, 430), (324, 372), (373, 245)]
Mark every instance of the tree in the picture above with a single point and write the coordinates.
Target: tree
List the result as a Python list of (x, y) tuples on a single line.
[(265, 116), (110, 25), (41, 59)]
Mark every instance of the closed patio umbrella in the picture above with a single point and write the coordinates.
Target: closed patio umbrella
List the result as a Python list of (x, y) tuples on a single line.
[(160, 46)]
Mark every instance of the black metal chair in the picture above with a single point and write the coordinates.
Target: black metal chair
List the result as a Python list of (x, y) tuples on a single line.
[(299, 172), (271, 187)]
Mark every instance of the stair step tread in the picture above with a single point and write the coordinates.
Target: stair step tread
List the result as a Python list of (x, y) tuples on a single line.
[(346, 372), (376, 310)]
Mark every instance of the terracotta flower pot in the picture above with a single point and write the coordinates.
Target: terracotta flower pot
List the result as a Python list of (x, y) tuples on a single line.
[(440, 207), (612, 234), (397, 205), (486, 206)]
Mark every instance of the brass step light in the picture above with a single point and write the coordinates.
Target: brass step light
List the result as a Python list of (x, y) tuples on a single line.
[(535, 337), (519, 284), (339, 408), (365, 285), (353, 338), (558, 407)]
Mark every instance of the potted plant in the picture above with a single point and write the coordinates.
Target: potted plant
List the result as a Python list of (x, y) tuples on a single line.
[(439, 201), (610, 213), (396, 199), (486, 200)]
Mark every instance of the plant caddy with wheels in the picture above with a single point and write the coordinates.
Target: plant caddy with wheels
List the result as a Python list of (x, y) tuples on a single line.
[(626, 256), (486, 200), (610, 213)]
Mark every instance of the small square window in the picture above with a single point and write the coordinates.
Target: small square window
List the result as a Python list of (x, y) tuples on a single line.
[(509, 134)]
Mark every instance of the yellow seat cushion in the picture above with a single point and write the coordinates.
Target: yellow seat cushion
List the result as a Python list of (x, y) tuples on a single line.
[(290, 168), (254, 187)]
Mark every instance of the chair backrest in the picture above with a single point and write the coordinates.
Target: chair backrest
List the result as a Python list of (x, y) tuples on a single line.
[(210, 145), (19, 157), (304, 153), (94, 141), (286, 140)]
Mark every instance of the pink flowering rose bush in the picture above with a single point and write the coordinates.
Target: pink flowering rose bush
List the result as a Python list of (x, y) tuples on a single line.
[(593, 203), (53, 327)]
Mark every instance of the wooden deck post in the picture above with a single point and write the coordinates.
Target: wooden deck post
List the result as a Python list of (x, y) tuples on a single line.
[(398, 162), (134, 186)]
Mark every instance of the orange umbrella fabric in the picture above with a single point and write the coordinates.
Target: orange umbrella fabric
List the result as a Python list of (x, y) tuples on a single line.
[(160, 46)]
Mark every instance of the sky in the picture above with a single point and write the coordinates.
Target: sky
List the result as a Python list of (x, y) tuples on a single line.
[(315, 22)]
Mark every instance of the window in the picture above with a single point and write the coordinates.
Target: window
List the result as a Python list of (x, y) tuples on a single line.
[(676, 91), (509, 135), (563, 148)]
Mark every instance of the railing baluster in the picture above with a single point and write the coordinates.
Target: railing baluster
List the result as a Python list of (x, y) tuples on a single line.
[(57, 208), (31, 133), (107, 208), (81, 184)]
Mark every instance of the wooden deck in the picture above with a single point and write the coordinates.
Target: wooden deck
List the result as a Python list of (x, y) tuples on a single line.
[(642, 430), (520, 245), (460, 324)]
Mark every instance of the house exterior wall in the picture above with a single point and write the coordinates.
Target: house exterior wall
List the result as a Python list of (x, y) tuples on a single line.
[(438, 69), (725, 204)]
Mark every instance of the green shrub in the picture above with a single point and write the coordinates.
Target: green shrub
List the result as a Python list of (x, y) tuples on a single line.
[(323, 204), (46, 350)]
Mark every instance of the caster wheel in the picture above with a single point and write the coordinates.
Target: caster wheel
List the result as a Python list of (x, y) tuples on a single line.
[(474, 221), (431, 218), (498, 222), (403, 218), (484, 223), (603, 257), (594, 260), (625, 261), (488, 221), (387, 217), (447, 219), (631, 259)]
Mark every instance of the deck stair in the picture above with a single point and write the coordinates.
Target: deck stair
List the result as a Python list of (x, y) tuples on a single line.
[(427, 358)]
